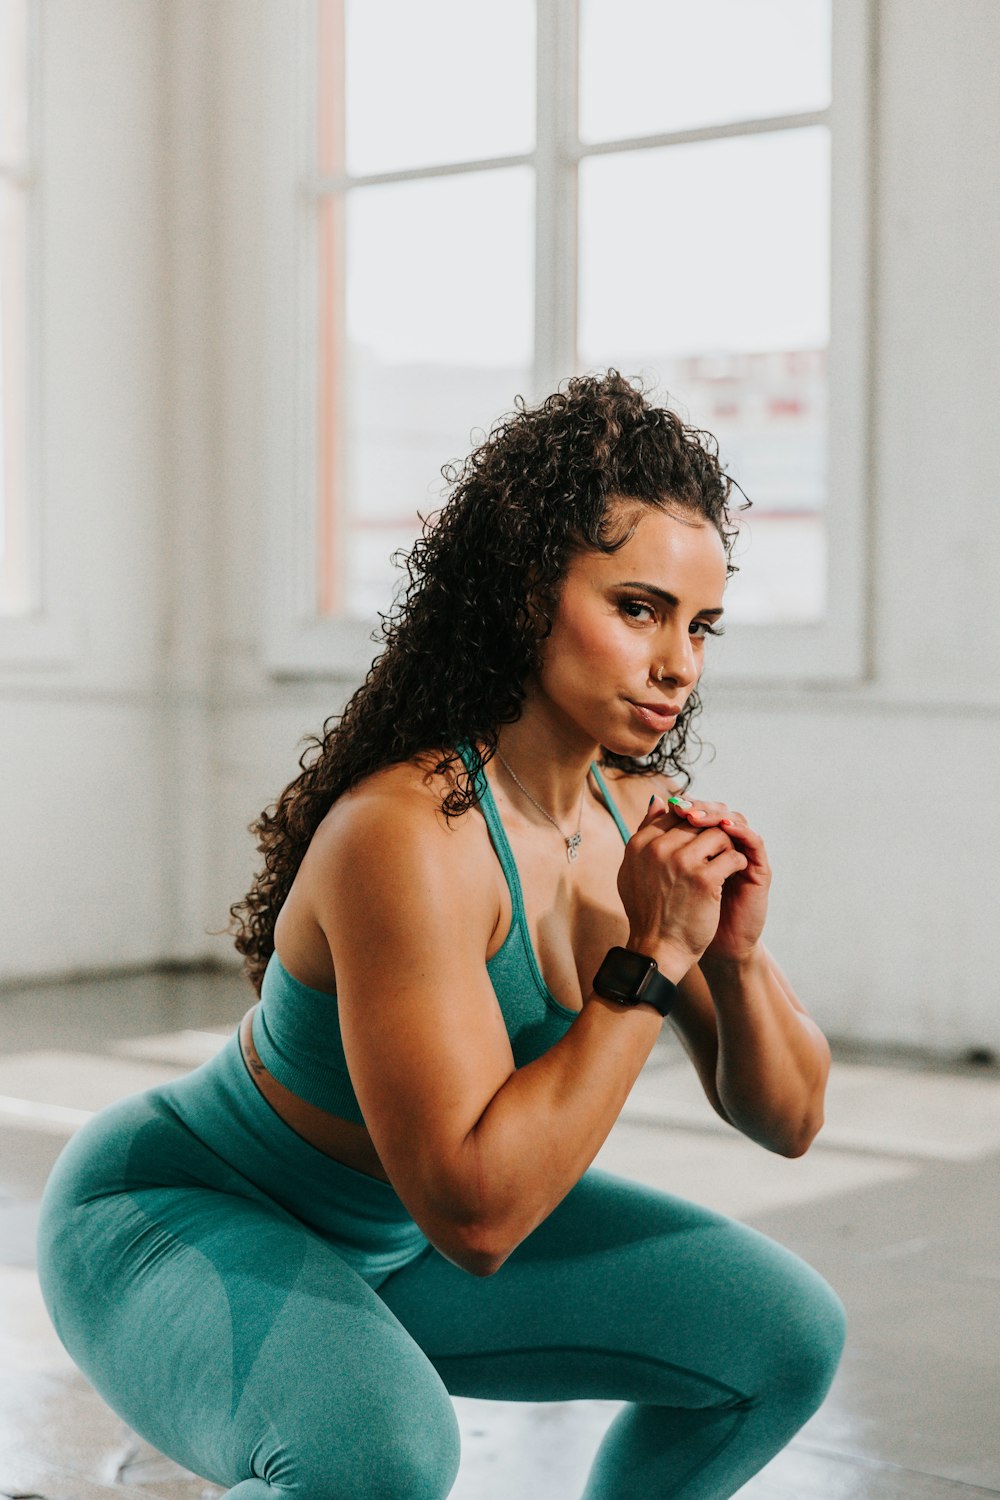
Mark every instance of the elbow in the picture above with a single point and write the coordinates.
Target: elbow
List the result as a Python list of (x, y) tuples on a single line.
[(794, 1147), (785, 1135), (483, 1227), (480, 1266), (477, 1249), (794, 1143), (479, 1229), (799, 1134)]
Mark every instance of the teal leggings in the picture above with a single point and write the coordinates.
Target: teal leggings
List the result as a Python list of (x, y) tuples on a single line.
[(278, 1324)]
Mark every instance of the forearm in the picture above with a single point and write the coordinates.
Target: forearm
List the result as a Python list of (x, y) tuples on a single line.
[(542, 1129), (772, 1060)]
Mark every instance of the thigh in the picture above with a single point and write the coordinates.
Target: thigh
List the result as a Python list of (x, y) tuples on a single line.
[(241, 1344), (625, 1293)]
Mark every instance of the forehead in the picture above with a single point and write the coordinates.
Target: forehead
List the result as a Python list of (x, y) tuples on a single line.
[(680, 551)]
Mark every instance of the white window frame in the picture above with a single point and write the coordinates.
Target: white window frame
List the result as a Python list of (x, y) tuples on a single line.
[(834, 651), (46, 633)]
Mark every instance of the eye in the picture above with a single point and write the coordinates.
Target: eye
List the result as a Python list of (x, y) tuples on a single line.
[(634, 608), (707, 628)]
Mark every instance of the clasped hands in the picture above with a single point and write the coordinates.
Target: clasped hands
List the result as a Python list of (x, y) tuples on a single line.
[(744, 894)]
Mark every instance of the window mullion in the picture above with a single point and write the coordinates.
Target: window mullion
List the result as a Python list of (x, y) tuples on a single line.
[(556, 192)]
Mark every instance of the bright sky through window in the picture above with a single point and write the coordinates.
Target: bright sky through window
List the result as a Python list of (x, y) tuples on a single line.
[(648, 66), (435, 82), (692, 249)]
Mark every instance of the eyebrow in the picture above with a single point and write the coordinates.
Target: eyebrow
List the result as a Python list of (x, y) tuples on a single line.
[(668, 598)]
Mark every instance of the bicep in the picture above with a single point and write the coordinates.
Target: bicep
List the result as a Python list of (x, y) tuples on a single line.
[(424, 1038)]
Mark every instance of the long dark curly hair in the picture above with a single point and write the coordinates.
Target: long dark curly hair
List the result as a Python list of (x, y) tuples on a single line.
[(464, 635)]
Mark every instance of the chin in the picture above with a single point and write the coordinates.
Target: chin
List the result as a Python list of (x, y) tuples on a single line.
[(636, 745)]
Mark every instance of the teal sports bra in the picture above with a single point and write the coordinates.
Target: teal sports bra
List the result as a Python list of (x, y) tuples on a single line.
[(296, 1029)]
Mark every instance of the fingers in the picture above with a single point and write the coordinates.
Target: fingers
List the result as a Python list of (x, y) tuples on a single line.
[(696, 819), (707, 842), (647, 829), (729, 862), (652, 811), (744, 834), (651, 827), (717, 814), (709, 812)]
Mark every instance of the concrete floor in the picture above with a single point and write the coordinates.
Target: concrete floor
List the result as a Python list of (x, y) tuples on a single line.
[(897, 1206)]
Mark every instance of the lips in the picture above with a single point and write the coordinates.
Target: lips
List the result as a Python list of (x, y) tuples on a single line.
[(657, 715)]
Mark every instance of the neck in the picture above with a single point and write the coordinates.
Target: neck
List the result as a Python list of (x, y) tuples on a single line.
[(553, 765)]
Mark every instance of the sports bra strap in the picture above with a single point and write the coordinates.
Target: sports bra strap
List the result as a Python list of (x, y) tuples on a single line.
[(489, 810), (609, 802), (498, 836)]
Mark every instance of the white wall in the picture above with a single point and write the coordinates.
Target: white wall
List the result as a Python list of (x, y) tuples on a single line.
[(82, 738), (877, 801), (882, 805)]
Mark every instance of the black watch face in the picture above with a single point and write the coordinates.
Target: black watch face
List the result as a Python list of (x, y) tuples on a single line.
[(622, 972)]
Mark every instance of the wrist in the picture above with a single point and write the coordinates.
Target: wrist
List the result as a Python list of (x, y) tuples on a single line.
[(672, 963), (732, 966)]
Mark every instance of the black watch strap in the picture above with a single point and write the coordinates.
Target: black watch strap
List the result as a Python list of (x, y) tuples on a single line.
[(631, 978)]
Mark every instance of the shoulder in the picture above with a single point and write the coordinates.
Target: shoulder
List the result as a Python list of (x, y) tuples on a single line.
[(632, 793), (389, 834)]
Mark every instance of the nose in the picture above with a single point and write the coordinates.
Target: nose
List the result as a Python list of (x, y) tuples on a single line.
[(677, 661)]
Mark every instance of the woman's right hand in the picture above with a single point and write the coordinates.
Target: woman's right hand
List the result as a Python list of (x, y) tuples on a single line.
[(670, 882)]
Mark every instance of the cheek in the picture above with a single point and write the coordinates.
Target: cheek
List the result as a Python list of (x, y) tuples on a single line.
[(593, 652)]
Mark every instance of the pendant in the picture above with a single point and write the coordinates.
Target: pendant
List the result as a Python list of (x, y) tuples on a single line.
[(572, 845)]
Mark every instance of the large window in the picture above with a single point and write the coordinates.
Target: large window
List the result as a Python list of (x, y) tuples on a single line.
[(425, 129), (503, 195), (15, 589), (704, 231)]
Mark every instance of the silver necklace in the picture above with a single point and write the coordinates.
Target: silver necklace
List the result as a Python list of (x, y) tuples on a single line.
[(574, 840)]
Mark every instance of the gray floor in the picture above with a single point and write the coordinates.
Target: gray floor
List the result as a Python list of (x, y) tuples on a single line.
[(897, 1207)]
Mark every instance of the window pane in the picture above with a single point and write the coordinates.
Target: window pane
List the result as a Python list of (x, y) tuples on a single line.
[(782, 561), (729, 314), (719, 245), (439, 297), (436, 82), (648, 66)]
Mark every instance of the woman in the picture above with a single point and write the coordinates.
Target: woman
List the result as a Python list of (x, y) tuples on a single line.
[(471, 921)]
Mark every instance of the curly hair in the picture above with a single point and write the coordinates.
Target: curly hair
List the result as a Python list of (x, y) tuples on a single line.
[(465, 634)]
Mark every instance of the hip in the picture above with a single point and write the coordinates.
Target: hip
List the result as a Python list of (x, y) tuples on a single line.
[(213, 1130)]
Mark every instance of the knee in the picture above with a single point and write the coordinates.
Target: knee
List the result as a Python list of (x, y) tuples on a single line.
[(413, 1456), (417, 1464), (807, 1344)]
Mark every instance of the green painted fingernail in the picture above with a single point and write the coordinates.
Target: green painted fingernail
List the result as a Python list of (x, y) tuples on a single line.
[(680, 802)]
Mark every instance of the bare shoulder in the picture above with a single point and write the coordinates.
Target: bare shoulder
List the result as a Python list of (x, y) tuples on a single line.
[(632, 793), (389, 835)]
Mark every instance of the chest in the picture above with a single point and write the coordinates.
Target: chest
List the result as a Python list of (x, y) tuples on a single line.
[(572, 911)]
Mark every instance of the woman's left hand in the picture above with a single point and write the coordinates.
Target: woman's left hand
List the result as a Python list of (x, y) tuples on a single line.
[(744, 894)]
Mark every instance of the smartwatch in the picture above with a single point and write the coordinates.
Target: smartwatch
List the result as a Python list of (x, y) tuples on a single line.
[(633, 979)]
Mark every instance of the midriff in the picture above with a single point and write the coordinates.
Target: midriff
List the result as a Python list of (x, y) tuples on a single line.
[(342, 1140)]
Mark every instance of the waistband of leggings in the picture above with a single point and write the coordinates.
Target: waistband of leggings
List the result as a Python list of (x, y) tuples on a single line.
[(271, 1149)]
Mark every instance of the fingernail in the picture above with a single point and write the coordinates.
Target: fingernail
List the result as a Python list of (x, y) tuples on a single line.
[(726, 823), (679, 802)]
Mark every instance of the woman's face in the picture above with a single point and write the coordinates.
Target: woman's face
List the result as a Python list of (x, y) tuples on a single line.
[(628, 637)]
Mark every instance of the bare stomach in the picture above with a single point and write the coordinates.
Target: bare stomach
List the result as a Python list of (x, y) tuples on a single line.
[(346, 1142)]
